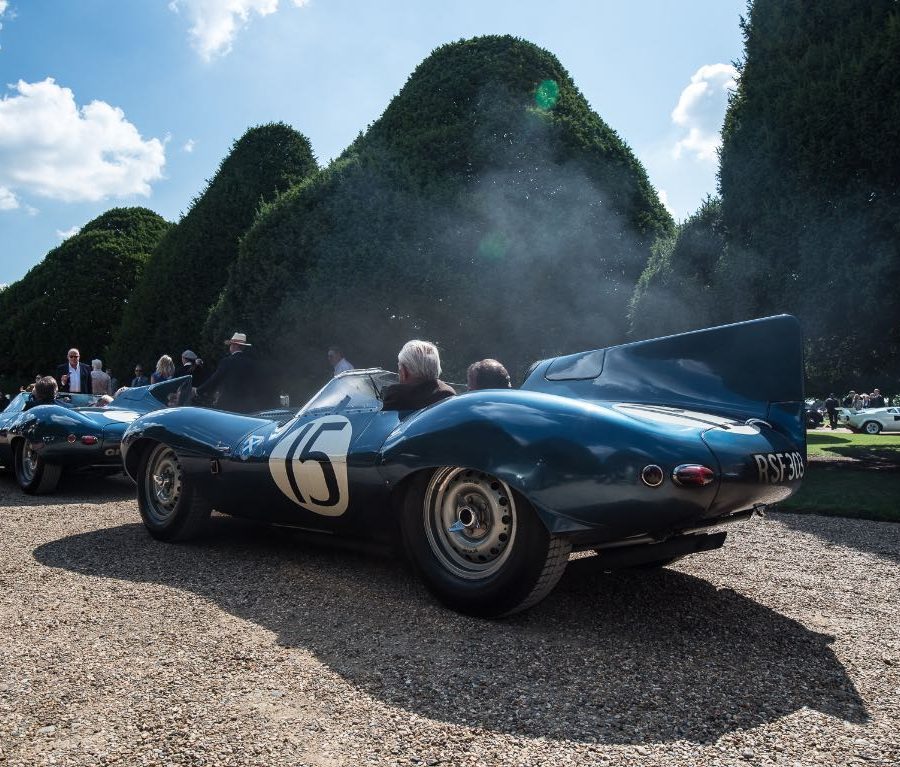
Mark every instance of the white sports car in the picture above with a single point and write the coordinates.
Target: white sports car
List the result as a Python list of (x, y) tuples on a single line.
[(870, 420)]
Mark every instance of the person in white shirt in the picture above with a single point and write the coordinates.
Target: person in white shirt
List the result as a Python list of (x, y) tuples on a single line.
[(337, 360), (74, 376)]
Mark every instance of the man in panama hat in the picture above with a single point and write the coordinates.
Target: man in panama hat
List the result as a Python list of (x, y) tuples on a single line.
[(234, 379)]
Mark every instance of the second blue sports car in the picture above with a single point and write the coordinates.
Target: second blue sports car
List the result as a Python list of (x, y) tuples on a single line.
[(75, 431)]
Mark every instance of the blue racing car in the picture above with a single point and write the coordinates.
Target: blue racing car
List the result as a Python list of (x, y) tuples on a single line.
[(636, 451), (75, 431)]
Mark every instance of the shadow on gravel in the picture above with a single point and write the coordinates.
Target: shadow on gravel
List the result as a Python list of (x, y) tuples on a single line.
[(625, 658), (844, 531), (73, 488)]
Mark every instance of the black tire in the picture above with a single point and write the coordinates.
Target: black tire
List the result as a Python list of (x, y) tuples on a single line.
[(500, 561), (872, 427), (34, 475), (170, 506)]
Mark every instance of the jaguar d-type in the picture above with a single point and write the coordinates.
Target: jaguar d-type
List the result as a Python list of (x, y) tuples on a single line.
[(639, 452)]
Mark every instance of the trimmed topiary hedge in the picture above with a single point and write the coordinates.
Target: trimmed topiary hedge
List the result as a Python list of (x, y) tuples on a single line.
[(75, 296), (188, 270), (488, 209)]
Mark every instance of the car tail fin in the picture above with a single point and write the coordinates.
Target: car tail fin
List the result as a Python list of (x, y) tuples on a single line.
[(170, 393), (746, 370)]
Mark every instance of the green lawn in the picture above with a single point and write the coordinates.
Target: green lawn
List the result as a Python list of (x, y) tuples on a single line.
[(841, 444), (838, 491), (862, 480)]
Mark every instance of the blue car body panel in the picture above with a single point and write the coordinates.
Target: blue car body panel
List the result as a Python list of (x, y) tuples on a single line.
[(573, 440)]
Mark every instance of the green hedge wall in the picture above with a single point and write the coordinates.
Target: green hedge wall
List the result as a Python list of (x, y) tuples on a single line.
[(76, 295), (188, 270), (488, 209)]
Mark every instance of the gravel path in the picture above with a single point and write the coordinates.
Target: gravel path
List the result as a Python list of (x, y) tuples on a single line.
[(254, 648)]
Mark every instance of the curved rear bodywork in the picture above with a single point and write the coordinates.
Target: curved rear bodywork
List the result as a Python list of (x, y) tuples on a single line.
[(578, 435)]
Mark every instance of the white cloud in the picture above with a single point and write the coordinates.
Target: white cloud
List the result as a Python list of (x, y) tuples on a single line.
[(8, 200), (64, 234), (215, 23), (664, 199), (52, 148), (189, 145), (701, 109)]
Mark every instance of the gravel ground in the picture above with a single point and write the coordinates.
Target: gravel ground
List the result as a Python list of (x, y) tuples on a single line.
[(256, 648)]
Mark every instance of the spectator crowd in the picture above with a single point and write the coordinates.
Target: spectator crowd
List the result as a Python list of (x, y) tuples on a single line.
[(234, 385)]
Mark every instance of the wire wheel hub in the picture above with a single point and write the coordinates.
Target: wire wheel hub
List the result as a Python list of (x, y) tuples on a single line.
[(470, 522), (163, 485), (29, 463)]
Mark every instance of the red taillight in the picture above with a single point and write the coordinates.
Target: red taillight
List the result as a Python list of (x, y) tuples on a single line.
[(692, 475), (88, 439)]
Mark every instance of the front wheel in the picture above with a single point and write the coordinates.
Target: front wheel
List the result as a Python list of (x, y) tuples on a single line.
[(872, 427), (168, 501), (34, 475), (479, 546)]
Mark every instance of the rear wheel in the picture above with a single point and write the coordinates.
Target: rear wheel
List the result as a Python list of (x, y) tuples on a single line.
[(169, 504), (872, 427), (34, 475), (479, 547)]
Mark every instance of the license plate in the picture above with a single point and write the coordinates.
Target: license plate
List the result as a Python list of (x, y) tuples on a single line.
[(775, 468)]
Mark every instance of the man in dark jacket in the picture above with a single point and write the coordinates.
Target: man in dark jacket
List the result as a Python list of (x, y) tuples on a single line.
[(139, 378), (234, 379), (419, 367), (831, 406), (192, 365), (74, 376)]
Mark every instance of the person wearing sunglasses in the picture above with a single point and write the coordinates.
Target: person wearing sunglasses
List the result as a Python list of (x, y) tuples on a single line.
[(74, 375)]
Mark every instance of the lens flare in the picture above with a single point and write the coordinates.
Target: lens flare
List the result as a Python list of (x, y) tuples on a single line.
[(547, 94), (493, 246)]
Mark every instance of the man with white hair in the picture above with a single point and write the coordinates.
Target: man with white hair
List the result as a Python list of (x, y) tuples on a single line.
[(99, 379), (419, 368)]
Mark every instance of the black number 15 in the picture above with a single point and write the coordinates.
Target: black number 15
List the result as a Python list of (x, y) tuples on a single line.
[(308, 454)]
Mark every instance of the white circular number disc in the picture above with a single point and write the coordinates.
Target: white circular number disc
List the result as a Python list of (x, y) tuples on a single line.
[(309, 465)]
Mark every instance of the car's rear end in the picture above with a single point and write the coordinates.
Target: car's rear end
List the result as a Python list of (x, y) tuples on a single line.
[(735, 390), (86, 438)]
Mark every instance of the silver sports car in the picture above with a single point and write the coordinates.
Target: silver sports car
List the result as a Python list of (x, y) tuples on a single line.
[(870, 420)]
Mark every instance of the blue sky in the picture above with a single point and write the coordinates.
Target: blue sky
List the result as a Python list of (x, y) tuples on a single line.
[(107, 103)]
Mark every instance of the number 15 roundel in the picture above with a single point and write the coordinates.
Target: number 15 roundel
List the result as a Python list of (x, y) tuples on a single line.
[(309, 465)]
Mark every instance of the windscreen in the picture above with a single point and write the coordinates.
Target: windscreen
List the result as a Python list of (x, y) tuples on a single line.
[(358, 390)]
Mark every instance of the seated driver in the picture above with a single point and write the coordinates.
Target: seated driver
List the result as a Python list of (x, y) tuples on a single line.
[(44, 391), (487, 374), (419, 366)]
